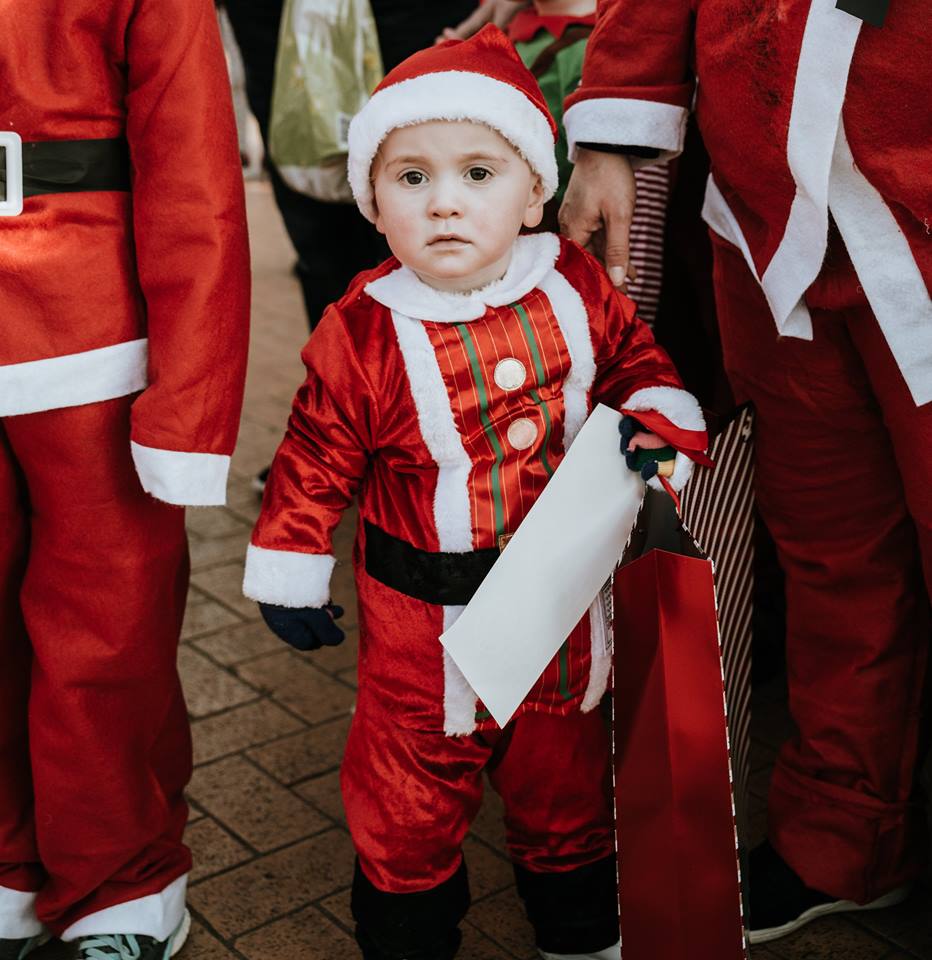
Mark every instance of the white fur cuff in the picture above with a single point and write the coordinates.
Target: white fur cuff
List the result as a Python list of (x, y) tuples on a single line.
[(287, 578), (682, 471), (631, 123), (157, 915), (184, 479), (18, 918), (680, 407)]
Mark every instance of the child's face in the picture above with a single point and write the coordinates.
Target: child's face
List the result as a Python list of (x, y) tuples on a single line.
[(451, 198)]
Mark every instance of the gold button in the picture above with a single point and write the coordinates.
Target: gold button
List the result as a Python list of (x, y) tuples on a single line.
[(522, 433), (510, 374)]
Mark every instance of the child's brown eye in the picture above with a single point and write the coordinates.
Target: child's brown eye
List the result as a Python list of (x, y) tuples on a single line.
[(413, 178), (478, 174)]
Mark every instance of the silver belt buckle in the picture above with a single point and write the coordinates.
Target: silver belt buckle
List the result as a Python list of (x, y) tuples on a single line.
[(12, 146)]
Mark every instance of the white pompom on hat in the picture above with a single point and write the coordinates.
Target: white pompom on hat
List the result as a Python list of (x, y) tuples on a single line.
[(481, 79)]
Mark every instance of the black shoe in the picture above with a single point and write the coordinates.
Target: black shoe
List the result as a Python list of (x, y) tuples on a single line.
[(18, 949), (125, 946), (781, 903), (259, 480)]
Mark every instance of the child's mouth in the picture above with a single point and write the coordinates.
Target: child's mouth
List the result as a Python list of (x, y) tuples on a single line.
[(447, 240)]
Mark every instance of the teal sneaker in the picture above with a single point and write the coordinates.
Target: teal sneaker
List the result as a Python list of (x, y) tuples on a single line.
[(129, 946), (18, 949)]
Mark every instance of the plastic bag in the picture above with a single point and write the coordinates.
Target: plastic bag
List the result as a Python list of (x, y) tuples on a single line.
[(328, 64)]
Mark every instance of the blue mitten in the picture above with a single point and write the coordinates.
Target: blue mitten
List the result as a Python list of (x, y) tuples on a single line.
[(304, 628)]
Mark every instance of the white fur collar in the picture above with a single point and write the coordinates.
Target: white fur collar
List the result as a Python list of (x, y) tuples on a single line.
[(402, 291)]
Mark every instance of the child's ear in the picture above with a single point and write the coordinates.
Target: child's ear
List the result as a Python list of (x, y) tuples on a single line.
[(535, 205), (378, 218)]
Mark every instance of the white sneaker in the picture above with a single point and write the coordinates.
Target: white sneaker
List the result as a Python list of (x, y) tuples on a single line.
[(609, 953)]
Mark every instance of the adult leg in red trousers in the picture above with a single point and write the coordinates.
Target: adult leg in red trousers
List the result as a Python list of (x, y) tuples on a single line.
[(93, 587), (844, 482)]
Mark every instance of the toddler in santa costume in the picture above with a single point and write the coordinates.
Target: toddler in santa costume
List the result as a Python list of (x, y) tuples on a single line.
[(443, 391), (124, 297)]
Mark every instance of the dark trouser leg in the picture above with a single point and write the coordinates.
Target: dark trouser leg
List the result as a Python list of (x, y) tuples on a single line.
[(410, 926)]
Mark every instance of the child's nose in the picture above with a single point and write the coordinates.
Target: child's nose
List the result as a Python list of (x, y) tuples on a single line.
[(445, 202)]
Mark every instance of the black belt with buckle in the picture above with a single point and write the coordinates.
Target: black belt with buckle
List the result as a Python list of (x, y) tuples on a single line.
[(447, 579), (71, 166)]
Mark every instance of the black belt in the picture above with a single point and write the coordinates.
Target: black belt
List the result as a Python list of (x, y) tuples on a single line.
[(447, 579), (70, 166)]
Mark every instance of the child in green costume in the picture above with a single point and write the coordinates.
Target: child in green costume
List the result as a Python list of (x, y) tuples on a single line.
[(550, 38)]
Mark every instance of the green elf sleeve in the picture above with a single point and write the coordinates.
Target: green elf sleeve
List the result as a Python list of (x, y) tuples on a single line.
[(557, 65)]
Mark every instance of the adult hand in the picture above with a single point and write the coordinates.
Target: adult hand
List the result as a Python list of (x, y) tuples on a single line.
[(304, 628), (499, 12), (598, 207)]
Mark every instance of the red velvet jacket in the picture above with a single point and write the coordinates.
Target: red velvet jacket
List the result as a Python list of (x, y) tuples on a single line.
[(804, 110), (447, 414), (106, 293)]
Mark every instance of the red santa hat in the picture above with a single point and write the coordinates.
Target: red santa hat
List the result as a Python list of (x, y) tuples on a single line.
[(481, 79)]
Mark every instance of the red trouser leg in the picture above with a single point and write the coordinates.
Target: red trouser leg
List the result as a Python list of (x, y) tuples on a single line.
[(410, 795), (20, 872), (554, 777), (102, 598), (844, 474)]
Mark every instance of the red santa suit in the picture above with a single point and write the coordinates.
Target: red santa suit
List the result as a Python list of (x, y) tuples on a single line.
[(446, 414), (817, 129), (124, 300)]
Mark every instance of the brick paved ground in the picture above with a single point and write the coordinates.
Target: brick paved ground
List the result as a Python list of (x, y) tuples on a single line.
[(272, 855)]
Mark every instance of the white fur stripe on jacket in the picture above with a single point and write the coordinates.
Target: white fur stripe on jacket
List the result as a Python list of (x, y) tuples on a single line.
[(73, 379)]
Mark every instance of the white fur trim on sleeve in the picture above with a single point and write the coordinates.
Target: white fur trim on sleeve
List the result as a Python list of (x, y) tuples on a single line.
[(682, 410), (678, 406), (449, 95), (682, 471), (184, 479), (287, 578), (631, 123)]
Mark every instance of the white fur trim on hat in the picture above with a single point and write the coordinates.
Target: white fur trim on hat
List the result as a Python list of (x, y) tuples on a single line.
[(449, 95)]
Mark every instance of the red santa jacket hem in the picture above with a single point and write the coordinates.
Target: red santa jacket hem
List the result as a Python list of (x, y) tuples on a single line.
[(74, 379)]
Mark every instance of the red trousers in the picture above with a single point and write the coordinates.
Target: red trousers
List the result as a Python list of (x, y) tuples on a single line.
[(844, 482), (410, 795), (94, 741)]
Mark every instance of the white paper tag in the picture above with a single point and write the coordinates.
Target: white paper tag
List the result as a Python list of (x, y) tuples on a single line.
[(553, 568)]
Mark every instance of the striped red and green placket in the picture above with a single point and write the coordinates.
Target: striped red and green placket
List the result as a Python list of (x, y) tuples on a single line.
[(513, 434)]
